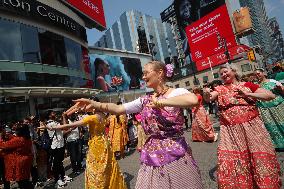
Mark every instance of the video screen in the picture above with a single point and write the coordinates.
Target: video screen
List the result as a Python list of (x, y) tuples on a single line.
[(114, 73)]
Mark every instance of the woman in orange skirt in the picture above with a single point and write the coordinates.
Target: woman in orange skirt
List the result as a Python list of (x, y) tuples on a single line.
[(202, 128)]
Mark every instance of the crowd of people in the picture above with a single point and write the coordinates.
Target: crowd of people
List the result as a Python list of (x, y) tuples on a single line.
[(39, 152), (249, 109)]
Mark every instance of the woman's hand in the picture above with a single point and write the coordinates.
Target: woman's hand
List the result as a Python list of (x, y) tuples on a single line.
[(278, 89), (83, 104), (154, 102), (242, 93)]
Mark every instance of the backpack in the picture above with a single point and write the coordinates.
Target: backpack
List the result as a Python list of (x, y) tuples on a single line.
[(44, 141)]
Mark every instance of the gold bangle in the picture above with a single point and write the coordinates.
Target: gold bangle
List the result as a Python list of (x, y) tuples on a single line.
[(101, 106), (158, 104)]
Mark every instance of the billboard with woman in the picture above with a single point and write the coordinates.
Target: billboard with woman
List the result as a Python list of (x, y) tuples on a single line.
[(113, 73), (190, 11)]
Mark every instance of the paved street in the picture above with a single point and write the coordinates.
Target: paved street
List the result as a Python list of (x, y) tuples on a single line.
[(204, 153)]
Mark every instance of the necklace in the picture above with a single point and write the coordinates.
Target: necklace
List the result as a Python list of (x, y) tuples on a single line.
[(164, 91)]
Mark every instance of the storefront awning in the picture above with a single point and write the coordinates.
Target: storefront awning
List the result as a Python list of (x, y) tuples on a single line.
[(48, 92)]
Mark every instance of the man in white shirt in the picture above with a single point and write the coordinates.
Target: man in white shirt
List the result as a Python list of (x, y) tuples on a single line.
[(73, 144), (57, 151)]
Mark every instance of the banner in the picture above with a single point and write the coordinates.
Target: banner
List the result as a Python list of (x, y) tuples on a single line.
[(93, 9), (242, 20), (203, 34), (220, 58)]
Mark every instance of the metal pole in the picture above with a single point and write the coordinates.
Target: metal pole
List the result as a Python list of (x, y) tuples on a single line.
[(227, 51), (211, 67), (223, 44)]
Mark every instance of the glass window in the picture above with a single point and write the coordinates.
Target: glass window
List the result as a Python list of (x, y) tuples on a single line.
[(187, 83), (73, 53), (10, 41), (116, 35), (11, 78), (52, 48), (196, 81), (205, 79), (8, 78), (246, 67), (30, 44), (216, 75)]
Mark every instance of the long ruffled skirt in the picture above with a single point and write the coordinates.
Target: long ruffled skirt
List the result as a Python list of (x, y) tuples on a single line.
[(102, 169), (273, 119), (202, 128), (182, 173), (246, 157)]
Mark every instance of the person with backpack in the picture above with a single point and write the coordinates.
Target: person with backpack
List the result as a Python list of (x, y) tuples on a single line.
[(43, 149)]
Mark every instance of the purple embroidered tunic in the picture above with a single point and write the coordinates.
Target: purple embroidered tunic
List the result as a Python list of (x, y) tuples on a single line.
[(165, 143)]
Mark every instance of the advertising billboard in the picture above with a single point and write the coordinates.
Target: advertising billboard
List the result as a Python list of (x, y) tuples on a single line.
[(113, 73), (220, 58), (92, 9), (203, 34), (199, 22), (242, 21)]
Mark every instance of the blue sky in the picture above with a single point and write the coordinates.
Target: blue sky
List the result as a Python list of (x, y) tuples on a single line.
[(114, 8)]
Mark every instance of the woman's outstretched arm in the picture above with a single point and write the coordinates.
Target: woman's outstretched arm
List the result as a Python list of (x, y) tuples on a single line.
[(209, 95), (88, 105), (187, 100), (62, 127)]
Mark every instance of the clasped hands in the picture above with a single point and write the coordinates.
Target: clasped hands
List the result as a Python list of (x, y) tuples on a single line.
[(154, 102), (242, 93)]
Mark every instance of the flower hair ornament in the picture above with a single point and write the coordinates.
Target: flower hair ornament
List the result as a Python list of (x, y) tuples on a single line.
[(169, 70)]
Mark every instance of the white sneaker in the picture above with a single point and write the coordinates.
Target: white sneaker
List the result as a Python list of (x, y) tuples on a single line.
[(60, 184), (67, 179)]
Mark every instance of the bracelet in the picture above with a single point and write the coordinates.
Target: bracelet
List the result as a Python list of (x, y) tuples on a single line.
[(158, 104), (101, 106)]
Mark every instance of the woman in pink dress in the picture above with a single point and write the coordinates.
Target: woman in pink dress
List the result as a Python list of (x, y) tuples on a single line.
[(202, 128), (166, 158), (246, 155)]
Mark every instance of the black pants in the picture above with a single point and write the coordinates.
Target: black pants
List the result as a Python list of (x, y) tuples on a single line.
[(2, 174), (57, 156), (34, 175), (74, 149), (25, 184)]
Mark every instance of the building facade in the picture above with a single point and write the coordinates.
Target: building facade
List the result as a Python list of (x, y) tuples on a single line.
[(262, 35), (43, 44), (203, 78), (169, 16), (277, 40), (137, 32)]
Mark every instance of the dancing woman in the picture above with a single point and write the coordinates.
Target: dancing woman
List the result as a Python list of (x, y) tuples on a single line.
[(272, 112), (202, 128), (166, 158), (102, 169), (246, 157)]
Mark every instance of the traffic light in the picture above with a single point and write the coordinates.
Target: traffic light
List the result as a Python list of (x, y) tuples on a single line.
[(251, 56)]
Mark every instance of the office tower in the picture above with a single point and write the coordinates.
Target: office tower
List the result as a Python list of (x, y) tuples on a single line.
[(137, 32)]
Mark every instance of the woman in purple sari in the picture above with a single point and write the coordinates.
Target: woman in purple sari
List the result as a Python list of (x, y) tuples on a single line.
[(166, 158)]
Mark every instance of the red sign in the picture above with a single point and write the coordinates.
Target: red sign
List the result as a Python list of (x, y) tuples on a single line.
[(93, 9), (220, 58), (203, 34)]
